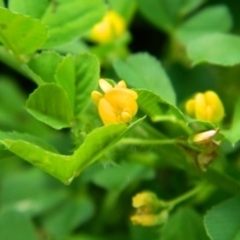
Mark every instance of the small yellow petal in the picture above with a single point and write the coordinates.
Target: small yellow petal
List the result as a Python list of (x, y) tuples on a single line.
[(145, 220), (121, 84), (96, 96), (216, 106), (125, 117), (107, 112), (201, 106), (190, 107), (120, 100), (105, 85)]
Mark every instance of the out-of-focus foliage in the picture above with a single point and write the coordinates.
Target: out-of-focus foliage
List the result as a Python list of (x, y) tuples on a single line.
[(65, 176)]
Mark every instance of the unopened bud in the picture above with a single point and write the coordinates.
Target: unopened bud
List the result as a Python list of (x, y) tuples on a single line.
[(205, 137), (149, 220), (205, 106)]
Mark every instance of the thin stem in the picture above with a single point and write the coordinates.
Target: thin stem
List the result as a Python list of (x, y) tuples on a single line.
[(185, 196), (137, 141)]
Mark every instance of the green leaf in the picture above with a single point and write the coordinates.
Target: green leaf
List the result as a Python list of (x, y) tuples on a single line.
[(44, 65), (13, 115), (65, 77), (21, 34), (190, 5), (160, 13), (63, 167), (22, 225), (187, 219), (50, 104), (71, 214), (225, 49), (79, 77), (69, 19), (66, 20), (34, 199), (223, 221), (144, 71), (99, 142), (74, 47), (14, 136), (33, 8), (121, 175), (2, 3), (233, 134), (201, 23), (157, 108), (125, 8), (59, 166)]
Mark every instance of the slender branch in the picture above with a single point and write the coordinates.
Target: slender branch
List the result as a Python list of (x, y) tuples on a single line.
[(138, 141), (185, 196)]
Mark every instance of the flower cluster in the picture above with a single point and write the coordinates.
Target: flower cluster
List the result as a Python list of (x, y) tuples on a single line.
[(110, 28), (117, 105), (206, 106), (150, 210)]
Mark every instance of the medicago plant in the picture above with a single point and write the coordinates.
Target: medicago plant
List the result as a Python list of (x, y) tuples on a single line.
[(123, 135)]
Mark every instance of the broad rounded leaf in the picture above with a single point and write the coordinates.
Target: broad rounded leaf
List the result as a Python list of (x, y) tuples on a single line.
[(65, 19), (144, 71), (69, 19), (233, 134), (201, 23), (158, 14), (20, 222), (157, 108), (33, 8), (21, 34), (79, 77), (98, 142), (59, 166), (49, 103), (125, 8), (121, 175), (187, 219), (223, 221), (64, 167), (190, 5), (45, 65), (1, 3), (221, 49), (70, 216)]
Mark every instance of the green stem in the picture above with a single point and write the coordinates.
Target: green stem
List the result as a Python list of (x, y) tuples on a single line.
[(137, 141), (184, 197)]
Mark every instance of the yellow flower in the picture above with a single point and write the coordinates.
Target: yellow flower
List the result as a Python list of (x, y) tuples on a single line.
[(145, 220), (148, 220), (206, 106), (110, 28), (147, 201), (117, 105)]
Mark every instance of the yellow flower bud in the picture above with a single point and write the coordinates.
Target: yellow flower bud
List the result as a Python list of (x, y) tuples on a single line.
[(117, 105), (145, 220), (149, 220), (110, 28), (147, 200), (205, 106)]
